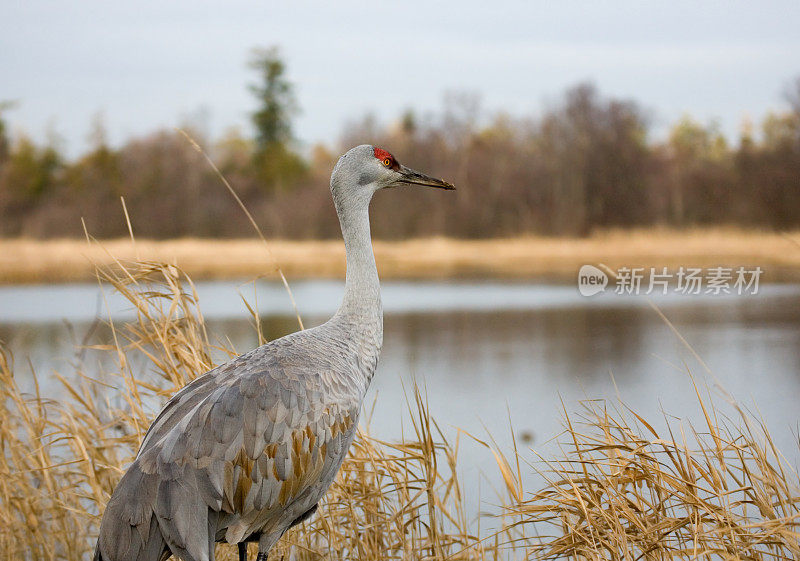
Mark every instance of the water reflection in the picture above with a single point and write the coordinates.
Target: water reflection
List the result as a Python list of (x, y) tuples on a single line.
[(479, 364)]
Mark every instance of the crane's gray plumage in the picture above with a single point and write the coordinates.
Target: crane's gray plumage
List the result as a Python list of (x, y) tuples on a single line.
[(248, 449)]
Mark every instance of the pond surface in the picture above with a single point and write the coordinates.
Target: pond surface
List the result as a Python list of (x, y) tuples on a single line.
[(486, 352)]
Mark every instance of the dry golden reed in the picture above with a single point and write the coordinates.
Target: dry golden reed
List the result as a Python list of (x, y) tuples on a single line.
[(619, 490)]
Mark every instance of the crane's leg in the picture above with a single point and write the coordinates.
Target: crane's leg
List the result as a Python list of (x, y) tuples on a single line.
[(242, 551)]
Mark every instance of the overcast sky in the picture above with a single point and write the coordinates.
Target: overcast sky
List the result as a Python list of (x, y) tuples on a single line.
[(149, 64)]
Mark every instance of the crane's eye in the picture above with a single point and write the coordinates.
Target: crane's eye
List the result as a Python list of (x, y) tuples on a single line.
[(387, 162)]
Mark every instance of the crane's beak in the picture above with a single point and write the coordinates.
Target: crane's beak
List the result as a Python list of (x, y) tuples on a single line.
[(410, 177)]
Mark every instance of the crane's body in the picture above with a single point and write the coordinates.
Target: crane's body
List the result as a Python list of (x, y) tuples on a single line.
[(248, 449)]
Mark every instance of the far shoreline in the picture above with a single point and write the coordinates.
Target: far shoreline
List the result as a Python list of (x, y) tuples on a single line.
[(545, 259)]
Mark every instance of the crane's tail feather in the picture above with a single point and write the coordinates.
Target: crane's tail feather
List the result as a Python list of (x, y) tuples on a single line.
[(129, 530), (152, 548)]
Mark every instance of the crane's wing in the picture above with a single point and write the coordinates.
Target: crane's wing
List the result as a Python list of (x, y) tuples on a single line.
[(233, 450)]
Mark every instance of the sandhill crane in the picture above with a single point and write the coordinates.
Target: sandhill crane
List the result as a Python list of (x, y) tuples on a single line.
[(247, 450)]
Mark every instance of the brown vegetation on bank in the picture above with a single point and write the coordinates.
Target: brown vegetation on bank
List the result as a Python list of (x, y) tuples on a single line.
[(532, 258)]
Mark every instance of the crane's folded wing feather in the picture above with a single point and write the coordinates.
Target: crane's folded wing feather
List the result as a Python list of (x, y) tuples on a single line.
[(242, 442)]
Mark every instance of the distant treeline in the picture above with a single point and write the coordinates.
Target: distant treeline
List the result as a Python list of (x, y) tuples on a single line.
[(585, 163)]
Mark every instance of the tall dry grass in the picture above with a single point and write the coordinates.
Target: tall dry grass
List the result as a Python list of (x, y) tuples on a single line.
[(622, 490), (618, 489)]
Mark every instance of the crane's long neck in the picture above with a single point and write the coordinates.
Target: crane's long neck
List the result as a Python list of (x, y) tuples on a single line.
[(361, 313), (362, 288)]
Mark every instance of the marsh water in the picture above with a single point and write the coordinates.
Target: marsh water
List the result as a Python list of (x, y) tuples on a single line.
[(489, 353)]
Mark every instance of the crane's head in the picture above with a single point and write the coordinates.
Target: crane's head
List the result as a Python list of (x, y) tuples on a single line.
[(365, 169)]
